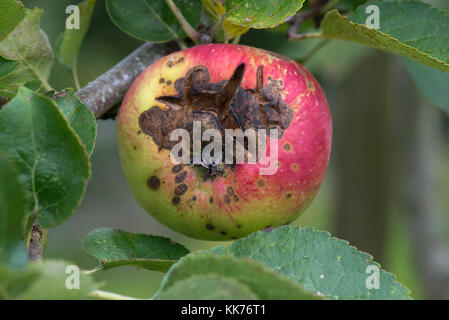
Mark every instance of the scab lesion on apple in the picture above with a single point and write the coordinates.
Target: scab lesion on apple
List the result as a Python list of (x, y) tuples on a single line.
[(221, 105)]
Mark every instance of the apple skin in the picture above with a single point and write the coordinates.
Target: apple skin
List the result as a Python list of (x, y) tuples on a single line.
[(263, 200)]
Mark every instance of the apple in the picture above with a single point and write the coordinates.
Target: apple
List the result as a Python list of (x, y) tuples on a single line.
[(224, 88)]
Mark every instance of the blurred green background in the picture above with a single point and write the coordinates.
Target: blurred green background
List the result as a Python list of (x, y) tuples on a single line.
[(387, 137)]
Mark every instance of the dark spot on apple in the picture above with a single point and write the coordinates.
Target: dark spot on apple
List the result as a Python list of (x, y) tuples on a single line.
[(181, 189), (180, 177), (224, 233), (226, 199), (176, 200), (194, 198), (239, 226), (211, 199), (161, 80), (154, 182), (287, 146), (139, 132), (236, 198), (169, 82), (234, 238), (134, 147), (230, 191), (289, 196), (176, 168), (210, 226), (260, 183)]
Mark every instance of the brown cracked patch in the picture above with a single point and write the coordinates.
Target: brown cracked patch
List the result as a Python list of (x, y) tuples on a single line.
[(221, 105)]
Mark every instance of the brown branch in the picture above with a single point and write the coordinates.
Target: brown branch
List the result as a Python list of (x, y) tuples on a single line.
[(35, 245), (300, 18), (315, 11), (108, 90)]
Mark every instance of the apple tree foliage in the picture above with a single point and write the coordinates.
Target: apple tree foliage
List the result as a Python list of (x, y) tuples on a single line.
[(47, 137)]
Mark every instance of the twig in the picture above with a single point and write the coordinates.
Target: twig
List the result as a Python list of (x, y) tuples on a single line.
[(315, 11), (196, 37), (301, 36), (300, 18), (100, 294), (35, 244), (109, 89)]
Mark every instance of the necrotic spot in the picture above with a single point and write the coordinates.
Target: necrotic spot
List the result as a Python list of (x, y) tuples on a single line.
[(211, 199), (181, 189), (180, 177), (230, 191), (161, 80), (154, 182), (224, 233), (260, 183), (210, 226), (176, 168), (176, 200), (226, 198)]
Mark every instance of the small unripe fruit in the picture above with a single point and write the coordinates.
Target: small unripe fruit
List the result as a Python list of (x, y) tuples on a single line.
[(223, 86)]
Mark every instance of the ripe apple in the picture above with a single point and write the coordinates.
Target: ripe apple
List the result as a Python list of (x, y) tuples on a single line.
[(224, 87)]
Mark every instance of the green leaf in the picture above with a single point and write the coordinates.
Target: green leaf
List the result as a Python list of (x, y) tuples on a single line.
[(265, 283), (7, 66), (70, 41), (152, 20), (79, 116), (11, 13), (260, 14), (28, 45), (225, 31), (119, 248), (207, 287), (324, 265), (48, 154), (13, 282), (51, 283), (434, 84), (402, 31), (12, 213)]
